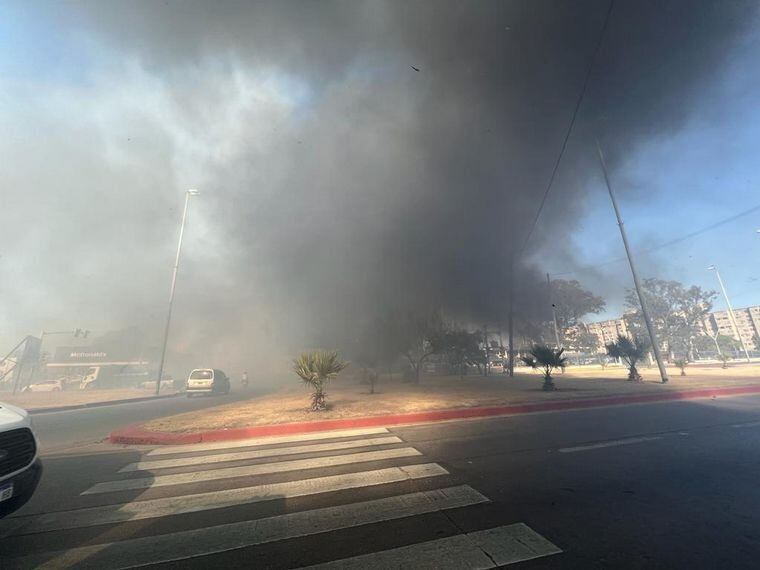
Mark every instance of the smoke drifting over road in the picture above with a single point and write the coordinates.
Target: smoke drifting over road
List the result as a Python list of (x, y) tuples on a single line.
[(353, 157)]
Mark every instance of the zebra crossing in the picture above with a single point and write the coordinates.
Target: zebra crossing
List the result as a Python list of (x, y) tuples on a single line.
[(238, 495)]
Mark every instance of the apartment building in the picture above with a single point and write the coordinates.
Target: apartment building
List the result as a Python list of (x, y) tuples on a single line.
[(747, 323), (717, 322)]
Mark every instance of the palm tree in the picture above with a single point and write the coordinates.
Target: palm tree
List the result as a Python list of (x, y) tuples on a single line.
[(316, 368), (546, 359), (630, 351), (681, 363)]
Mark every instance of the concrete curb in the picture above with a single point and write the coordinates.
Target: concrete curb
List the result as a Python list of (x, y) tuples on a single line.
[(99, 404), (135, 434)]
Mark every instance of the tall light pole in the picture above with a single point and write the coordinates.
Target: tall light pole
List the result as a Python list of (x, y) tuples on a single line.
[(731, 316), (189, 193), (554, 310), (642, 300)]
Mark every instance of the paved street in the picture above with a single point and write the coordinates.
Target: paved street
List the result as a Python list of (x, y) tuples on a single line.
[(75, 429), (662, 485)]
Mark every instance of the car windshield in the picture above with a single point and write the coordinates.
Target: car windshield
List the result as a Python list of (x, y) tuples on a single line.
[(481, 279), (201, 375)]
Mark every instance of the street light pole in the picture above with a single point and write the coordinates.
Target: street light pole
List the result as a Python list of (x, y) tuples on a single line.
[(554, 311), (637, 285), (171, 291), (731, 316)]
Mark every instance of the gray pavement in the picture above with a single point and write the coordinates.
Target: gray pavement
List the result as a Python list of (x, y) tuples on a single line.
[(669, 485), (73, 430)]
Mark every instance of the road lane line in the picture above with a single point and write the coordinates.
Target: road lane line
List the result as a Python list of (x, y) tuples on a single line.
[(746, 425), (215, 539), (490, 548), (193, 447), (249, 470), (617, 442), (258, 454), (154, 508)]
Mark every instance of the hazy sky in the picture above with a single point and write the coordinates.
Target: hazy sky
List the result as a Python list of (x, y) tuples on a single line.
[(337, 181)]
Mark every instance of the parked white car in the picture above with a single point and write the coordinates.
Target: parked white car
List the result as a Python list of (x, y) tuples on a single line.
[(20, 466), (46, 386)]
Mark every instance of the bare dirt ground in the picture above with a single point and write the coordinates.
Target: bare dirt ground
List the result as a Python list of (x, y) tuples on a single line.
[(348, 398), (37, 400)]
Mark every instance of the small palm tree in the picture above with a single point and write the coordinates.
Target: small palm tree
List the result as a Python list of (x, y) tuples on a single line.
[(681, 363), (724, 358), (630, 351), (316, 369), (546, 359)]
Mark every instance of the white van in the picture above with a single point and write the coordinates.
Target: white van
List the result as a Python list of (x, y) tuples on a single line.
[(20, 466), (207, 381)]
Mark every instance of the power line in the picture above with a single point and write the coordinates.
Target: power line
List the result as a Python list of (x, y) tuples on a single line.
[(664, 244), (570, 126)]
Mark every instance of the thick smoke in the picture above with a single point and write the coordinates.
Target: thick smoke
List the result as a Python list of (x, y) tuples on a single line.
[(354, 157)]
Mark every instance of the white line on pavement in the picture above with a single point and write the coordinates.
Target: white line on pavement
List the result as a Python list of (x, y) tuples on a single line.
[(153, 508), (249, 470), (477, 550), (216, 539), (258, 454), (628, 441), (746, 425), (193, 447)]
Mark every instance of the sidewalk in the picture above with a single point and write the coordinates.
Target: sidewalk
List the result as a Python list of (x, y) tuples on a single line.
[(40, 402), (435, 399)]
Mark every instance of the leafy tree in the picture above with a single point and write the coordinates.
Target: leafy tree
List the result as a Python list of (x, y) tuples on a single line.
[(677, 313), (547, 359), (630, 351), (724, 357), (316, 369), (463, 348), (572, 302), (420, 335), (681, 363)]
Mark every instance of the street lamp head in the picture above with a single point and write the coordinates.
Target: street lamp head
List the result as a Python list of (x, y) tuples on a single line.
[(193, 192), (711, 268)]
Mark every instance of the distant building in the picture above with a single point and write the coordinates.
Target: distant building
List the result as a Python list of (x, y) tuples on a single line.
[(717, 322), (607, 331), (116, 359), (747, 322)]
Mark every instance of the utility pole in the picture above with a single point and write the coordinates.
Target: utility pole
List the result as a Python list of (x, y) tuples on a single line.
[(637, 285), (554, 311), (511, 317), (171, 291), (731, 316)]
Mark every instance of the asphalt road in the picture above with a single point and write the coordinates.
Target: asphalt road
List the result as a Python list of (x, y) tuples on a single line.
[(74, 429), (669, 485)]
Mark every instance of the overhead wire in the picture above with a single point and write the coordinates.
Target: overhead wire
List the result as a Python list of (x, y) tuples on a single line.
[(670, 242), (569, 131)]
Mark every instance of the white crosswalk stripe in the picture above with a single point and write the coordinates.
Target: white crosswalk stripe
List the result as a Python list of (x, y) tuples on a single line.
[(405, 490), (153, 508), (477, 550), (257, 454), (195, 447), (187, 544), (250, 470)]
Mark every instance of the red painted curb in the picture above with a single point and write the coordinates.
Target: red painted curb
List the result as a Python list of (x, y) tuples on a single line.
[(135, 434)]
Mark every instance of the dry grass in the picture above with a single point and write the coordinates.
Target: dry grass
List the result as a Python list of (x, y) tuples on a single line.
[(348, 398), (37, 400)]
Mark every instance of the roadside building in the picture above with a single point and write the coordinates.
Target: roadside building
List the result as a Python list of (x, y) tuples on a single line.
[(115, 360)]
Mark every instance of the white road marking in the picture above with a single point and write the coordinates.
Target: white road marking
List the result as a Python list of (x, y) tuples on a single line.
[(258, 454), (746, 425), (250, 470), (628, 441), (477, 550), (210, 540), (153, 508), (193, 447)]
